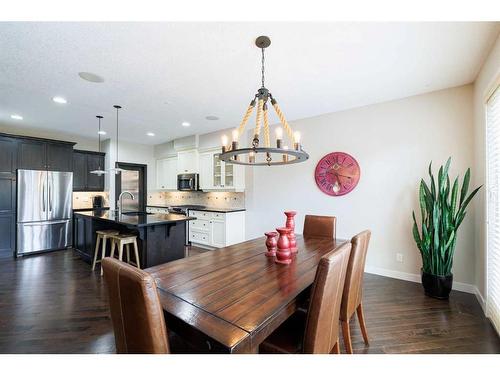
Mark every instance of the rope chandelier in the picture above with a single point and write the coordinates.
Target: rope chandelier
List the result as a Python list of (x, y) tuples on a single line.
[(267, 155)]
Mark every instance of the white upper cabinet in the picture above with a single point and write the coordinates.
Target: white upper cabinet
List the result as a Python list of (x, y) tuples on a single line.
[(217, 175), (187, 162), (166, 174)]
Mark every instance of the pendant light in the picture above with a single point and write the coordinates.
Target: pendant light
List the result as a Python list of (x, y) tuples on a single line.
[(116, 170), (256, 154), (99, 171)]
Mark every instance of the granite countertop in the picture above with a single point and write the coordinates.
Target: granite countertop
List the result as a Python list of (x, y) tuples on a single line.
[(205, 208), (140, 220)]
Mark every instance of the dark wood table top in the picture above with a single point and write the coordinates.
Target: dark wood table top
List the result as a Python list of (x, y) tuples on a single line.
[(236, 295)]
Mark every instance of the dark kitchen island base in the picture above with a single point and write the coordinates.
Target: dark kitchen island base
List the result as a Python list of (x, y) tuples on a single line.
[(160, 238)]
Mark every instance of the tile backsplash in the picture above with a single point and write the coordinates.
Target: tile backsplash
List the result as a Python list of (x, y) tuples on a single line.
[(216, 199), (83, 199)]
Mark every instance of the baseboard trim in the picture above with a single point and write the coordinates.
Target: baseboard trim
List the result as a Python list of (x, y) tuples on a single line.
[(480, 299), (461, 287)]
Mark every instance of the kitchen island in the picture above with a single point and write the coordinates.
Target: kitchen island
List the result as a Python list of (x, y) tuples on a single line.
[(160, 237)]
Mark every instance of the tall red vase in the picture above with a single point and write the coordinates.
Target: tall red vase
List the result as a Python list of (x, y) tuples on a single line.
[(271, 243), (290, 223), (283, 254)]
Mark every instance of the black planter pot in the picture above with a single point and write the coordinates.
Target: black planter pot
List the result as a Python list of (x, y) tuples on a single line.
[(437, 286)]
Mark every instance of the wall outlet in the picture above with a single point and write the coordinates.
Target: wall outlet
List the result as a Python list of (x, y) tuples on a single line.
[(399, 257)]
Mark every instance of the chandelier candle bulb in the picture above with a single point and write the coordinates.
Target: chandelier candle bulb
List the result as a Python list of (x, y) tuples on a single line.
[(285, 156), (224, 143), (279, 136), (251, 157), (296, 139)]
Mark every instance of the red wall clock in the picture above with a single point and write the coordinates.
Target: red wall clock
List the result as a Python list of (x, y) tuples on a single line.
[(337, 174)]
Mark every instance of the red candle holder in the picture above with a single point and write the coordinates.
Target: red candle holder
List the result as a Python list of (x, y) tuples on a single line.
[(271, 243), (283, 254), (290, 219), (290, 223)]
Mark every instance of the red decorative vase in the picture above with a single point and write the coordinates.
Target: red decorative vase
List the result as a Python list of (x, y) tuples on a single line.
[(290, 223), (283, 255), (271, 243)]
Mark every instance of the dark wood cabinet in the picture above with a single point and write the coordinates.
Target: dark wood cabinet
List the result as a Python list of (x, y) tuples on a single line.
[(79, 171), (59, 157), (21, 152), (8, 165), (8, 155), (83, 163), (83, 238), (45, 155), (32, 154), (7, 235)]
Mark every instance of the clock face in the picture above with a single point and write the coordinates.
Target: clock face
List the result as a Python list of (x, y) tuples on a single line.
[(337, 174)]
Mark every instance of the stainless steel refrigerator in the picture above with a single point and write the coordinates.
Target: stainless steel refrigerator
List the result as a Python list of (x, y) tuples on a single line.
[(44, 208)]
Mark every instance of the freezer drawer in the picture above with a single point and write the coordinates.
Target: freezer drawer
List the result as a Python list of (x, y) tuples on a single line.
[(42, 236)]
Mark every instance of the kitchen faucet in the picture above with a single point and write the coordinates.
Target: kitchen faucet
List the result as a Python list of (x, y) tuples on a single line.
[(119, 203)]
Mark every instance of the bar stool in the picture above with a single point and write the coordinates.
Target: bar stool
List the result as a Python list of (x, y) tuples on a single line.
[(102, 236), (118, 241)]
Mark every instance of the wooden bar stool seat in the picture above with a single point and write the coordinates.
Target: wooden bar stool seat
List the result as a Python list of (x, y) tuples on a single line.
[(121, 241), (102, 237)]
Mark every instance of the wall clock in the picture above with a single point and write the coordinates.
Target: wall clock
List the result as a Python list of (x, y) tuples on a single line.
[(337, 174)]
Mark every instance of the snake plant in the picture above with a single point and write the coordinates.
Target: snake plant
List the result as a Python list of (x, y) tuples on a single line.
[(441, 215)]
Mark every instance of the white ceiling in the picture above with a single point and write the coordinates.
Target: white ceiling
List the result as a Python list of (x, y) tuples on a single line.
[(166, 73)]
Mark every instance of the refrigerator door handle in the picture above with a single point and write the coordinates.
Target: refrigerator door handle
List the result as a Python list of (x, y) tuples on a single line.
[(50, 192), (43, 197)]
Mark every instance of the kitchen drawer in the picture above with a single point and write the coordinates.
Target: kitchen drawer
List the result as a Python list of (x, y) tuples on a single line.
[(199, 224), (201, 214), (199, 237)]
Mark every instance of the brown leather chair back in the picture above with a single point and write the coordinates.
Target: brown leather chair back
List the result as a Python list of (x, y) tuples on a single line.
[(322, 327), (319, 226), (136, 311), (353, 288)]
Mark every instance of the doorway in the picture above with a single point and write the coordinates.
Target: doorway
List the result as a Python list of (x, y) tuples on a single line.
[(132, 179)]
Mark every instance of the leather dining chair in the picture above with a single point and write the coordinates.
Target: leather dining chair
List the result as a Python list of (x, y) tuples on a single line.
[(136, 312), (353, 288), (319, 226), (317, 331)]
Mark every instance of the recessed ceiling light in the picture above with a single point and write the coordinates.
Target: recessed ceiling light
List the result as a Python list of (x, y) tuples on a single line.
[(59, 99), (16, 117), (149, 134), (186, 124), (212, 118), (101, 132), (91, 77)]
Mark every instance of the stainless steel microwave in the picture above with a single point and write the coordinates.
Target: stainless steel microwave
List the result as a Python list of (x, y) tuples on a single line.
[(188, 182)]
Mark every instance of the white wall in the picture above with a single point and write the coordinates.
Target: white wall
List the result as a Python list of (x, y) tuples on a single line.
[(393, 143), (128, 153), (486, 80)]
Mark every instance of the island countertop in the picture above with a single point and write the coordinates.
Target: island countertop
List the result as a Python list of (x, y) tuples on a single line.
[(138, 220)]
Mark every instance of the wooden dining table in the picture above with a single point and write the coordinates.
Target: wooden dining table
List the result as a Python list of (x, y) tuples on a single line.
[(231, 299)]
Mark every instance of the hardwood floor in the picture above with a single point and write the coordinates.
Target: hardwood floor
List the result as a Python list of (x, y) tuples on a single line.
[(53, 303)]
